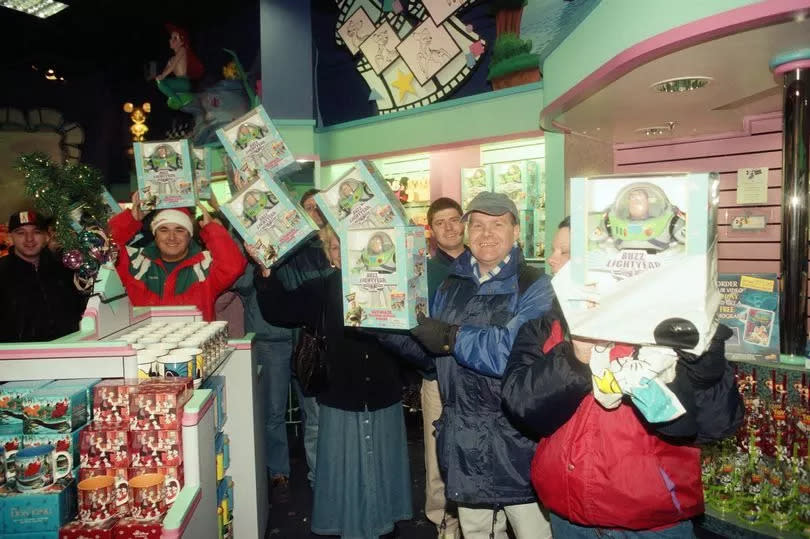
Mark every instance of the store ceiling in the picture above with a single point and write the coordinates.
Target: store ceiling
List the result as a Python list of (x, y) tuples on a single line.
[(743, 85)]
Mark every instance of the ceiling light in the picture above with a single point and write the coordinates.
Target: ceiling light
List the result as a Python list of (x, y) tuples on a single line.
[(657, 130), (680, 84), (38, 8)]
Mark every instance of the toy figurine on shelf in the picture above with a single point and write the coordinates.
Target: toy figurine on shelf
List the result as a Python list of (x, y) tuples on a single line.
[(183, 67)]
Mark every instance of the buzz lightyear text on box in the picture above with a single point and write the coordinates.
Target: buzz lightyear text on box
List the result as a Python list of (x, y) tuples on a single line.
[(633, 253), (384, 277)]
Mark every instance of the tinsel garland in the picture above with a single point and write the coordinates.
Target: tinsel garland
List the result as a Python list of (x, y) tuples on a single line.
[(58, 189)]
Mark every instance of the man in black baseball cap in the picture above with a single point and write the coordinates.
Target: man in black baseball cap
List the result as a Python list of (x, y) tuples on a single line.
[(39, 301)]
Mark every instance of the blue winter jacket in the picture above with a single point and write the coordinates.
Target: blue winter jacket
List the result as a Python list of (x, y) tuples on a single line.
[(483, 458)]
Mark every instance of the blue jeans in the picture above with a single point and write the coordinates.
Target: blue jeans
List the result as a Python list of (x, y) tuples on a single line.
[(564, 529), (274, 356)]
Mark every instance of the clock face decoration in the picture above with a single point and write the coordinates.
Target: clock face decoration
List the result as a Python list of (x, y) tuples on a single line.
[(409, 57)]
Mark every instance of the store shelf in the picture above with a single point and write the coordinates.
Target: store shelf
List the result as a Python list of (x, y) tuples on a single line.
[(730, 525)]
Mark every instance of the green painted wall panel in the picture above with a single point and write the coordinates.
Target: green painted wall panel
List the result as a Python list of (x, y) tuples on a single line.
[(515, 112)]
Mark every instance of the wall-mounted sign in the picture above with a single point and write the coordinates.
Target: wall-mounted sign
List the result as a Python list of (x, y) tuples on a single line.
[(752, 186)]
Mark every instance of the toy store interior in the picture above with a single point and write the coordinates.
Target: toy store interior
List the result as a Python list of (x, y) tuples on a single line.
[(195, 188)]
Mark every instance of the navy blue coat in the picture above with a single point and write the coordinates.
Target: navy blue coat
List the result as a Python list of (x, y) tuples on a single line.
[(483, 458)]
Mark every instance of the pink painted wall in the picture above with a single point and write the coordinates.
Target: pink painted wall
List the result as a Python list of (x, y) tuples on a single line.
[(445, 169)]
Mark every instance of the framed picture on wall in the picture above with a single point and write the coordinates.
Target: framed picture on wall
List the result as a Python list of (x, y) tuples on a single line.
[(441, 9), (428, 49), (356, 29), (380, 48)]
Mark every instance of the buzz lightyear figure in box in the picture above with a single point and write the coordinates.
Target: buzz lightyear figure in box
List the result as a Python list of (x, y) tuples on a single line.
[(641, 217), (254, 203), (164, 158), (247, 133), (380, 254), (378, 257), (351, 193)]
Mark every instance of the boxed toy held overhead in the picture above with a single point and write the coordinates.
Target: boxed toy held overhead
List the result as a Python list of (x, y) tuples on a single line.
[(631, 249), (513, 180), (384, 277), (750, 307), (361, 199), (254, 145), (473, 181), (266, 217), (202, 172), (165, 175)]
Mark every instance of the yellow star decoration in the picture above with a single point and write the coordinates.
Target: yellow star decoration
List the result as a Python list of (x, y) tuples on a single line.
[(403, 83)]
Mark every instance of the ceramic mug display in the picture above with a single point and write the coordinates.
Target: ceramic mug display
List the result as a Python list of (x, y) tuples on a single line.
[(175, 364), (97, 499), (35, 467), (147, 496)]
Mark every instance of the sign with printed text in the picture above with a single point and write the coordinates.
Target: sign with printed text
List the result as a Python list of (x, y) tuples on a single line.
[(752, 185)]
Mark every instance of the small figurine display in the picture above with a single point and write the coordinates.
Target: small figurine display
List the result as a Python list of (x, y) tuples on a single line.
[(165, 174)]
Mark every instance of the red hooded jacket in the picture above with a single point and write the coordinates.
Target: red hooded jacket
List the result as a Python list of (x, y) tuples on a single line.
[(198, 280)]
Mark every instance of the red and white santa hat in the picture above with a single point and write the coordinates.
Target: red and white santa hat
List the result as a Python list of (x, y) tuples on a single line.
[(174, 216)]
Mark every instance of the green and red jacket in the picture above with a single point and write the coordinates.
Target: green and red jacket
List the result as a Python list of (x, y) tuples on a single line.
[(197, 280)]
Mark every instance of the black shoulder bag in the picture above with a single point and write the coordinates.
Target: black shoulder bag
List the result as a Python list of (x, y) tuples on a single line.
[(309, 361)]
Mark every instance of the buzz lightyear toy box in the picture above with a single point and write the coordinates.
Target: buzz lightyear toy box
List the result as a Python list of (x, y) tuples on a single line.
[(384, 277), (513, 180), (474, 181), (200, 158), (165, 176), (254, 144), (643, 260), (267, 218), (361, 198)]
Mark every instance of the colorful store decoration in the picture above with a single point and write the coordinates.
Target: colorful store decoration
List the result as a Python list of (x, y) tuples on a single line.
[(512, 62), (407, 64)]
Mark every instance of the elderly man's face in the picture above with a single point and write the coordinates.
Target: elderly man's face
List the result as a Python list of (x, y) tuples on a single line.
[(491, 238)]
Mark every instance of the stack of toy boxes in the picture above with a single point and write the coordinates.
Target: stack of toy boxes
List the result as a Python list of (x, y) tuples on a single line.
[(165, 174), (261, 210), (383, 260), (643, 253), (537, 177), (473, 181)]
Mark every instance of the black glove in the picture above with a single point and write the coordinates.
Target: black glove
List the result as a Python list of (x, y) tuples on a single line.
[(708, 368), (439, 338)]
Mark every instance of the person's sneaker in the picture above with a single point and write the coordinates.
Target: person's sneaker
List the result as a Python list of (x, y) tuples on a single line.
[(279, 490)]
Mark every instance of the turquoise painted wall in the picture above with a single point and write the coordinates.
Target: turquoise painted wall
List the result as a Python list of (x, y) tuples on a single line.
[(615, 25), (505, 112)]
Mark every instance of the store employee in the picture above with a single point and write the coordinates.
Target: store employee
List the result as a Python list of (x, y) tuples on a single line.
[(38, 300), (173, 269)]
